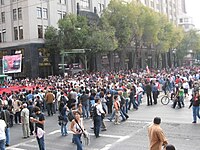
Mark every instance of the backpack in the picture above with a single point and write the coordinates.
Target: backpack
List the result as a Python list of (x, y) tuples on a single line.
[(63, 99), (70, 116), (93, 112)]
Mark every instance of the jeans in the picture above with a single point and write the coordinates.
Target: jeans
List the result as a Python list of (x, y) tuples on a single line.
[(2, 144), (149, 99), (41, 143), (77, 141), (127, 99), (17, 117), (195, 110), (97, 125), (122, 115), (139, 99), (64, 129), (155, 96), (50, 109), (182, 100), (85, 108), (112, 116), (7, 136), (132, 101)]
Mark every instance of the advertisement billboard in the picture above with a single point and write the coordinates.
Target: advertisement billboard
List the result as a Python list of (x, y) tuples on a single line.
[(12, 63)]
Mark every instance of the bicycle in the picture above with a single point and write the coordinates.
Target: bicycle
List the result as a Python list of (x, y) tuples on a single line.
[(166, 99)]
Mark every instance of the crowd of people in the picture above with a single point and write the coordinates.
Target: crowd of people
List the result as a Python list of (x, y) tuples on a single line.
[(97, 95)]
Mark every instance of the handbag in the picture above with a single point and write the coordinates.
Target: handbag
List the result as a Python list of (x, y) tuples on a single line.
[(86, 135)]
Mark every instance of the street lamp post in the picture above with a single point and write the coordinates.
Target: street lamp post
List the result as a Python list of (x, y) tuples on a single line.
[(174, 54)]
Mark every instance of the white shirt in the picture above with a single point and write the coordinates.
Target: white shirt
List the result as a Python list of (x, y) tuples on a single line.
[(2, 129), (185, 85), (25, 115), (99, 109)]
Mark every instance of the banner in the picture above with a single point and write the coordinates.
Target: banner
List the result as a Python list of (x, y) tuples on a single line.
[(12, 64)]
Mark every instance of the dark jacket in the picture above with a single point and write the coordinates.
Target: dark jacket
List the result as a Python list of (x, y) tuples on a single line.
[(5, 115), (194, 102)]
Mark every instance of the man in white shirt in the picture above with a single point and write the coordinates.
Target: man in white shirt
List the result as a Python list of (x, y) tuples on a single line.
[(97, 116), (25, 121), (2, 134)]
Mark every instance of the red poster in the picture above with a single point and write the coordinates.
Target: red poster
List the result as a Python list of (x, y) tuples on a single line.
[(12, 64)]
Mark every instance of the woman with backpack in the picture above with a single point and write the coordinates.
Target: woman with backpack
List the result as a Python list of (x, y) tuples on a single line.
[(62, 118)]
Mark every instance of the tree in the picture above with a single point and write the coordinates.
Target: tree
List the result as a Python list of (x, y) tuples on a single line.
[(74, 32), (51, 44), (190, 41), (102, 37)]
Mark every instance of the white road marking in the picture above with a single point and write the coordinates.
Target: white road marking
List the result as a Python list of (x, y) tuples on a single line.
[(15, 148), (107, 147), (122, 138), (103, 135)]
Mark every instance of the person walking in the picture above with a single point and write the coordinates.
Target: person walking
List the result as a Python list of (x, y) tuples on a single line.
[(194, 102), (148, 92), (155, 93), (76, 127), (63, 118), (117, 109), (49, 102), (5, 115), (132, 97), (84, 100), (97, 118), (157, 138), (2, 134), (16, 110), (39, 121), (25, 121)]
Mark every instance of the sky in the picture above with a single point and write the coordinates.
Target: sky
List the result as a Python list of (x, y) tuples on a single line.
[(193, 10)]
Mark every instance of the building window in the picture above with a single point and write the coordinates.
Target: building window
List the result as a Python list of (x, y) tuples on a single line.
[(85, 4), (3, 17), (99, 7), (59, 14), (2, 2), (39, 12), (40, 31), (14, 14), (20, 13), (186, 20), (15, 33), (158, 6), (4, 35), (186, 26), (64, 14), (21, 32), (45, 28), (62, 1), (146, 2), (45, 13), (152, 4)]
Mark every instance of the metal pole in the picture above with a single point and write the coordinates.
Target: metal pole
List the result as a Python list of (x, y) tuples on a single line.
[(63, 61), (85, 62)]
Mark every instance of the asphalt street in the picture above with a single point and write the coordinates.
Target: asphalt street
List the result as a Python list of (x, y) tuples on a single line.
[(129, 135)]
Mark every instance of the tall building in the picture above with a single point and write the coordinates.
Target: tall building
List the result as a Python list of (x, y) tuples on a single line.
[(23, 24), (171, 8)]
